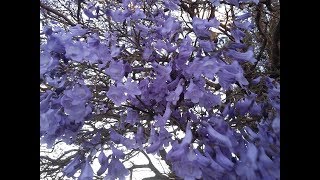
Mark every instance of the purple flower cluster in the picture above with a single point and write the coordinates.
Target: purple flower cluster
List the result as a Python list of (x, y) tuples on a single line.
[(158, 84)]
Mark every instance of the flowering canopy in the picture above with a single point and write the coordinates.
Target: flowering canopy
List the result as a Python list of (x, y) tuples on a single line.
[(145, 74)]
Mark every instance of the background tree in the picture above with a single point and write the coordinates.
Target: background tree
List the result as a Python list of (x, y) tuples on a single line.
[(195, 83)]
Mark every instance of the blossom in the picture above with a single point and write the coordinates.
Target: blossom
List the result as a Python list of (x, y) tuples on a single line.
[(74, 102), (118, 15), (223, 160), (170, 26), (131, 88), (132, 116), (86, 172), (207, 45), (139, 137), (161, 120), (193, 92), (77, 30), (138, 14), (73, 166), (209, 100), (115, 70), (117, 153), (237, 35), (103, 160), (116, 170), (234, 2), (215, 135), (47, 63), (201, 26), (244, 25), (246, 56), (76, 51), (175, 95)]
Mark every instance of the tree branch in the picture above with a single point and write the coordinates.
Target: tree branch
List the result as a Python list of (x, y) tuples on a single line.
[(56, 13), (159, 175)]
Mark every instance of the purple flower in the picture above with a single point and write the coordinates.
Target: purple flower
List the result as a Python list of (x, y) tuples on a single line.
[(49, 121), (244, 25), (256, 80), (162, 120), (267, 167), (223, 160), (246, 56), (116, 170), (47, 63), (116, 94), (210, 67), (132, 116), (276, 125), (77, 112), (138, 14), (89, 13), (160, 45), (229, 74), (54, 44), (57, 82), (255, 109), (193, 92), (103, 160), (118, 16), (187, 170), (163, 71), (116, 70), (188, 136), (86, 172), (226, 79), (248, 1), (234, 2), (77, 30), (139, 137), (76, 51), (243, 105), (201, 26), (175, 95), (252, 154), (186, 48), (131, 88), (116, 137), (217, 136), (73, 166), (155, 142), (117, 153), (79, 94), (170, 26), (178, 151), (115, 51), (74, 102), (147, 53), (215, 2), (244, 16), (195, 68), (44, 103), (209, 100), (237, 34), (202, 160), (207, 45), (171, 4), (154, 147)]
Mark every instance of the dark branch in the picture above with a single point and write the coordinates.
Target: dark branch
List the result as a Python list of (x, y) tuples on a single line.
[(56, 13)]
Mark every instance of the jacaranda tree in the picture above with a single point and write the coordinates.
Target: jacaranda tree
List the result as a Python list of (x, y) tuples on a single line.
[(195, 82)]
